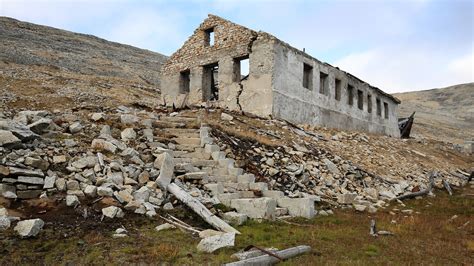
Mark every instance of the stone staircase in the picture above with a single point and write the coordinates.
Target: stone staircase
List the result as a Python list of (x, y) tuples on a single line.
[(199, 161)]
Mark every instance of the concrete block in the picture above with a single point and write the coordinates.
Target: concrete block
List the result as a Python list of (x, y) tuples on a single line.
[(235, 218), (260, 208), (166, 170), (226, 198), (248, 178), (215, 189), (300, 207), (210, 148), (217, 155), (274, 194), (235, 171), (259, 186)]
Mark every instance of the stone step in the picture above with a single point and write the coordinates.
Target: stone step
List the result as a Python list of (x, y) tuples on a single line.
[(222, 178), (166, 124), (194, 176), (178, 119), (188, 141), (195, 155), (189, 148), (181, 131), (234, 186)]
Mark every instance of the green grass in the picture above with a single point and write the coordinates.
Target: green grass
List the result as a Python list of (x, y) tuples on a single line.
[(425, 238)]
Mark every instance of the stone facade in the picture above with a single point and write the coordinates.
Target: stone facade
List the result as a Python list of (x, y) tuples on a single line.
[(283, 82)]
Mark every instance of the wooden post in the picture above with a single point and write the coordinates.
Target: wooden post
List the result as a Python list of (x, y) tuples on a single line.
[(269, 260), (200, 209)]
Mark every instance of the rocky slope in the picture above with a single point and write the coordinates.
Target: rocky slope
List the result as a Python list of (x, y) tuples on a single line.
[(41, 65), (445, 114)]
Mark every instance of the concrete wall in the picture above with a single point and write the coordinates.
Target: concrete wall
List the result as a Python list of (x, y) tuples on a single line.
[(293, 102)]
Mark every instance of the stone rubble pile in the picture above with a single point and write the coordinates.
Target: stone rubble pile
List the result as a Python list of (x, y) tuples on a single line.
[(132, 156)]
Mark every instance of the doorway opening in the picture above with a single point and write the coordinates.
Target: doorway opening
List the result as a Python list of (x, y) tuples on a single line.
[(210, 83)]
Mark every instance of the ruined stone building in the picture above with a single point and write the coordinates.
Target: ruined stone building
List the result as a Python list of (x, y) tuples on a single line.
[(283, 82)]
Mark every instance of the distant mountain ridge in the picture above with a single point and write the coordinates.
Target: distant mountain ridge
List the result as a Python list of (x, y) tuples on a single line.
[(444, 113)]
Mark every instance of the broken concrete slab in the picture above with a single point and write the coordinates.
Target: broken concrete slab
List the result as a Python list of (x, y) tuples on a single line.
[(298, 207), (259, 208), (166, 170), (213, 243), (234, 218)]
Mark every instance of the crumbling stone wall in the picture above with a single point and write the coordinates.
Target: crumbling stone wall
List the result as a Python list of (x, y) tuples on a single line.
[(298, 104), (283, 81)]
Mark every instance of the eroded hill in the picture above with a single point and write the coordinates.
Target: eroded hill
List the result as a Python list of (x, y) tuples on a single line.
[(445, 114), (44, 67)]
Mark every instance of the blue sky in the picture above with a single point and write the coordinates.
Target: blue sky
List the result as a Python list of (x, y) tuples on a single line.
[(397, 45)]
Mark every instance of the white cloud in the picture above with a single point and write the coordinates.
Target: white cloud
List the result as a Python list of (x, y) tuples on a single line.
[(415, 68)]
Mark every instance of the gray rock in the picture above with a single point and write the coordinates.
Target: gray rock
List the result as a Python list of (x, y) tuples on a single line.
[(85, 162), (103, 145), (31, 180), (75, 127), (49, 182), (7, 139), (331, 167), (28, 194), (37, 163), (72, 200), (29, 228), (166, 170), (3, 212), (226, 117), (98, 117), (40, 126), (142, 194), (165, 226), (129, 119), (347, 198), (360, 207), (4, 223), (168, 206), (212, 243), (8, 191), (128, 134), (105, 191), (72, 185), (112, 212), (25, 172), (20, 131), (90, 191)]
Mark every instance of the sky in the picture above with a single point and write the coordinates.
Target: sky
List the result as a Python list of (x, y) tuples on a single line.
[(396, 45)]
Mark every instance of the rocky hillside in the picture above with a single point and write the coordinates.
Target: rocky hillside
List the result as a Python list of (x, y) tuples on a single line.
[(444, 114), (71, 69)]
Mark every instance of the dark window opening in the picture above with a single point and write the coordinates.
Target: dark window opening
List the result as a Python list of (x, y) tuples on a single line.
[(210, 83), (350, 94), (360, 99), (307, 76), (385, 108), (184, 81), (241, 68), (337, 93), (323, 82), (210, 37), (379, 107), (369, 103)]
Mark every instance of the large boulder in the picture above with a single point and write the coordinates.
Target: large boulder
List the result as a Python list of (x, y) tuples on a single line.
[(29, 228)]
